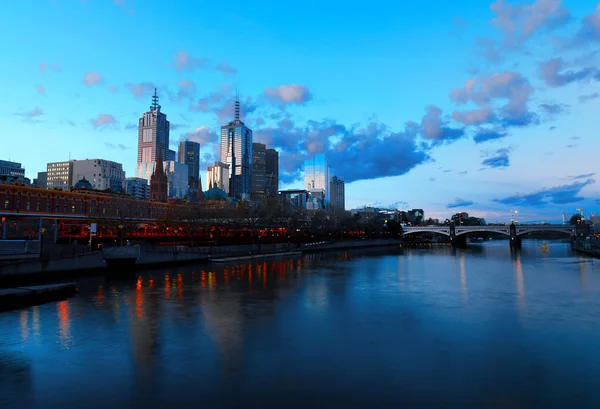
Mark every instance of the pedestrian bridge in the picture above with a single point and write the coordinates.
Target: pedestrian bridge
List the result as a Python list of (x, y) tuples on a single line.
[(519, 230)]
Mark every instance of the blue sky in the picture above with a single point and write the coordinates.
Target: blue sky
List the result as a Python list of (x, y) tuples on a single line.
[(484, 107)]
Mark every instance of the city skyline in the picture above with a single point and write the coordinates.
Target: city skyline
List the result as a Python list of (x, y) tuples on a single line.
[(446, 122)]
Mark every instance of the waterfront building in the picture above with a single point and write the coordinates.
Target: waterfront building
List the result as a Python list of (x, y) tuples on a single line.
[(236, 151), (218, 176), (153, 136), (60, 175), (337, 193), (297, 198), (158, 182), (316, 180), (138, 188), (102, 174), (189, 154), (272, 172)]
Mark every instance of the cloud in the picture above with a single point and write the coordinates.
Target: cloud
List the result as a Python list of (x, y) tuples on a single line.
[(464, 172), (125, 6), (459, 25), (459, 203), (40, 89), (173, 126), (550, 73), (92, 78), (104, 121), (142, 89), (187, 62), (584, 176), (435, 129), (202, 135), (226, 69), (118, 146), (575, 138), (186, 91), (113, 88), (473, 117), (588, 97), (552, 110), (552, 128), (221, 103), (288, 94), (29, 116), (499, 159), (519, 22), (484, 135), (485, 89), (431, 179), (130, 127), (46, 67), (590, 27), (563, 194)]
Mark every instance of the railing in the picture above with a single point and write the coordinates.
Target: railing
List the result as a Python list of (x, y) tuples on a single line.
[(121, 252), (17, 249)]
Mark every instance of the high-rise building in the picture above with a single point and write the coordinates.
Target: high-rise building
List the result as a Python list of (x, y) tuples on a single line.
[(102, 174), (153, 135), (236, 151), (158, 182), (60, 175), (218, 176), (189, 153), (337, 193), (259, 166), (316, 180), (177, 178), (41, 181), (138, 188), (171, 155), (272, 172), (14, 169)]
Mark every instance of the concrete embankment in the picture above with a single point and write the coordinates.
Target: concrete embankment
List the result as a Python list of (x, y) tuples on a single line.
[(19, 297), (348, 245), (256, 257)]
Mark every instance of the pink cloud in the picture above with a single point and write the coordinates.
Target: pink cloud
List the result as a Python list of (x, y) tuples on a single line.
[(104, 121), (187, 62), (40, 89), (92, 78), (288, 94)]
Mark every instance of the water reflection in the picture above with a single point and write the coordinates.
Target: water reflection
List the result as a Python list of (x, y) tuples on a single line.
[(64, 324), (518, 269), (463, 277)]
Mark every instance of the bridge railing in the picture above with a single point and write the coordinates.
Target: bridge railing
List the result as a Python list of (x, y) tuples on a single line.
[(17, 249)]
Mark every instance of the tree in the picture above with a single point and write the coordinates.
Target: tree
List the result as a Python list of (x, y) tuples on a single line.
[(576, 219)]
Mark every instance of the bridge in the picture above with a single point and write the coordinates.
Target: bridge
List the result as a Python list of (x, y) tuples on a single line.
[(457, 234)]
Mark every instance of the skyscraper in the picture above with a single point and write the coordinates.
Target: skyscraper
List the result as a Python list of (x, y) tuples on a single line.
[(272, 172), (236, 151), (153, 138), (337, 193), (189, 154), (316, 180), (258, 170), (218, 176)]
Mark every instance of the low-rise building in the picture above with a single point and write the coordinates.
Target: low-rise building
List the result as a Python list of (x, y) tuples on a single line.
[(59, 175)]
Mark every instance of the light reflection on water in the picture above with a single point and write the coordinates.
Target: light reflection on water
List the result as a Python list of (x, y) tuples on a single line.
[(436, 327)]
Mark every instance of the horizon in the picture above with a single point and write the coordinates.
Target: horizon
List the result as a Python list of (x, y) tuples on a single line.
[(483, 109)]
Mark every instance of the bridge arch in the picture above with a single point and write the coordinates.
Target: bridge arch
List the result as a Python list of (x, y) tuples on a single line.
[(441, 232), (483, 230), (569, 232)]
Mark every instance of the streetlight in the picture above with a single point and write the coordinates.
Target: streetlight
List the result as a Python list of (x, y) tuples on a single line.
[(121, 234), (42, 232)]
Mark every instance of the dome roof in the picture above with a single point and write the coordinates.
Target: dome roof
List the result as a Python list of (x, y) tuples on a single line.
[(215, 193), (83, 184)]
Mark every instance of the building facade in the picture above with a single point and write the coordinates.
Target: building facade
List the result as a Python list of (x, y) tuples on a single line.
[(337, 193), (102, 174), (41, 181), (259, 166), (138, 188), (59, 175), (316, 178), (297, 199), (177, 178), (236, 151), (272, 172), (189, 154), (158, 182), (14, 169), (218, 176), (153, 135)]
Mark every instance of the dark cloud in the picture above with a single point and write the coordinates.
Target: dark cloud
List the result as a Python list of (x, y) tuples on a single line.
[(552, 110), (588, 97), (202, 135), (143, 89), (173, 126), (130, 127), (435, 129), (221, 103), (552, 128), (464, 172), (499, 159), (31, 116), (484, 135), (186, 62), (570, 146), (553, 73), (118, 146), (459, 203), (590, 27), (563, 194), (584, 176)]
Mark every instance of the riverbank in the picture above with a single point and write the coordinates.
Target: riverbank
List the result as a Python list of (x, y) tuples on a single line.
[(20, 297)]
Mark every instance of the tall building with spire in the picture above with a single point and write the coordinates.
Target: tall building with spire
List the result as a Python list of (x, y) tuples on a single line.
[(236, 151), (153, 138)]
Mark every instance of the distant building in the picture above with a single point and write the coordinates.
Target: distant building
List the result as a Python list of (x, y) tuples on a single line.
[(337, 193), (13, 169), (316, 179), (296, 198), (272, 172), (158, 182), (189, 153), (258, 171), (414, 216), (138, 188), (60, 175), (218, 176), (177, 178), (171, 155), (153, 136), (102, 174), (41, 181), (236, 151)]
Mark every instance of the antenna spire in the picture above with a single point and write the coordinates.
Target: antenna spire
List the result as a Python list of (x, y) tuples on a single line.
[(237, 105), (154, 105)]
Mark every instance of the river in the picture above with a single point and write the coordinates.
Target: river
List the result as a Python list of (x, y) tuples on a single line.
[(481, 327)]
